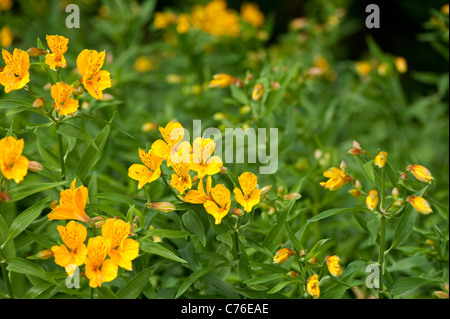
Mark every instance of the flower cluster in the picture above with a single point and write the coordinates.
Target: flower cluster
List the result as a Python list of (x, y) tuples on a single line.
[(198, 158), (214, 18), (113, 241)]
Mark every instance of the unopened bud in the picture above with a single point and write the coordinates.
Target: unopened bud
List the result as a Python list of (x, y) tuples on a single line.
[(404, 176), (355, 192), (35, 166), (98, 221), (313, 260), (343, 166), (223, 170), (147, 127), (358, 184), (293, 274), (238, 212), (429, 242), (78, 90), (441, 294), (248, 77), (275, 85), (303, 253), (398, 203), (164, 207), (446, 286), (280, 189), (45, 254), (356, 151), (266, 189), (282, 255), (258, 92), (395, 192), (4, 197), (292, 196), (244, 109), (271, 211), (219, 116), (33, 52), (38, 103)]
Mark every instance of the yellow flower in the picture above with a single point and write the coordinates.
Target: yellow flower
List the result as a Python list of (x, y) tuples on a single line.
[(420, 204), (143, 64), (216, 19), (202, 161), (16, 73), (89, 63), (13, 164), (219, 204), (5, 5), (64, 104), (337, 179), (312, 286), (58, 46), (181, 180), (172, 134), (250, 195), (183, 23), (72, 204), (258, 92), (421, 173), (146, 173), (163, 19), (401, 64), (74, 251), (221, 80), (381, 159), (372, 200), (363, 67), (122, 250), (333, 265), (282, 255), (199, 196), (98, 268), (250, 13), (6, 36)]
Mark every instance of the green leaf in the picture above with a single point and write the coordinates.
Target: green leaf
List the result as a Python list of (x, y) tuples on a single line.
[(373, 226), (26, 267), (68, 129), (194, 225), (335, 211), (133, 288), (115, 198), (281, 285), (22, 221), (275, 96), (168, 233), (405, 284), (106, 293), (315, 250), (92, 155), (157, 249), (263, 279), (49, 158), (8, 250), (26, 190)]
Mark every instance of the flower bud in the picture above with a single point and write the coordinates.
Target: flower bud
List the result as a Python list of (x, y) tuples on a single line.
[(258, 92), (148, 127), (404, 176), (78, 90), (293, 274), (164, 207), (303, 253), (292, 196), (35, 166), (429, 242), (446, 286), (312, 286), (343, 166), (244, 109), (401, 65), (222, 80), (45, 254), (266, 189), (4, 197), (355, 192), (313, 260), (38, 103), (33, 52), (174, 78), (395, 192), (356, 149), (275, 85), (282, 255), (420, 204), (280, 189), (441, 294), (381, 159), (238, 212), (421, 173), (98, 221), (333, 265), (223, 170), (372, 200)]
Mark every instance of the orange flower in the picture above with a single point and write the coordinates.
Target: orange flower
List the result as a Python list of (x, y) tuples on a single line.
[(199, 196), (337, 179), (250, 195), (222, 80), (372, 200), (421, 173), (122, 249), (282, 255), (64, 104), (312, 286), (172, 134), (16, 73), (420, 204), (219, 204), (13, 164), (98, 268), (89, 63), (202, 161), (181, 180), (250, 13), (333, 265), (381, 159), (72, 204), (258, 92), (74, 251), (58, 46), (146, 173)]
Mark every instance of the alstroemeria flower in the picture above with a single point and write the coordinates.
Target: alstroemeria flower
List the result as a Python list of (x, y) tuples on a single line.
[(146, 173), (89, 63), (181, 180), (250, 195), (250, 13), (372, 200), (172, 134), (122, 249), (337, 179), (282, 255), (381, 159), (72, 204), (222, 80), (199, 196), (98, 268), (333, 265), (421, 173), (58, 46), (312, 286), (16, 73), (64, 104), (13, 164), (420, 204), (202, 161), (74, 251), (219, 204), (258, 92)]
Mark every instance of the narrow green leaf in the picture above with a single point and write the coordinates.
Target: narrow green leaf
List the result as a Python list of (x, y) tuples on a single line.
[(26, 267), (194, 224), (157, 249), (281, 285), (263, 279), (405, 284), (133, 288), (106, 293), (373, 226), (68, 129), (22, 221), (335, 211), (168, 233), (315, 250), (8, 250), (26, 190)]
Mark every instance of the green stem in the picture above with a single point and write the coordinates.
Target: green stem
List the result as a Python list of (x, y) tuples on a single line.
[(381, 255), (6, 276), (61, 156), (383, 189)]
